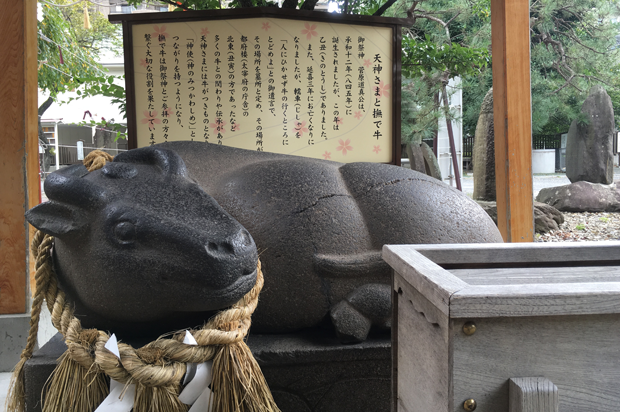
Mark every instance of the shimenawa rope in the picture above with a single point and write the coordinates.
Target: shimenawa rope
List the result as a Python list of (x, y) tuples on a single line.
[(79, 381)]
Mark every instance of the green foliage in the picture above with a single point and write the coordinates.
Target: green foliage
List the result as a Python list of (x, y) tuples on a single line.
[(62, 28), (102, 35), (58, 75), (419, 113), (103, 86), (572, 49), (366, 8), (422, 57), (121, 130)]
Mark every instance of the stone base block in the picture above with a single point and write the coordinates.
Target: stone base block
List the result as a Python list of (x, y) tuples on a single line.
[(13, 335), (307, 372)]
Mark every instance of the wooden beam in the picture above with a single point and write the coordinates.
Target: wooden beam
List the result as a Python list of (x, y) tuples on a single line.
[(512, 109), (19, 154)]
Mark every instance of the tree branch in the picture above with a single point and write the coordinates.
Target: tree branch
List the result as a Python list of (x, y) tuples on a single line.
[(576, 40), (383, 8), (309, 5)]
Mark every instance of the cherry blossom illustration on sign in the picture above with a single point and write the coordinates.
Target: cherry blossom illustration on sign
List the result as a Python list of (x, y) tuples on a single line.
[(218, 126), (345, 146), (160, 33), (382, 90), (150, 118), (309, 31), (300, 128)]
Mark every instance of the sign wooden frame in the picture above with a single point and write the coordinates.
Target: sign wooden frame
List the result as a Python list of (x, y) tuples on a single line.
[(389, 152)]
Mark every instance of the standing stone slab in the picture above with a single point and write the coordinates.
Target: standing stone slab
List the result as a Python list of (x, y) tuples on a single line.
[(423, 160), (589, 148), (483, 157)]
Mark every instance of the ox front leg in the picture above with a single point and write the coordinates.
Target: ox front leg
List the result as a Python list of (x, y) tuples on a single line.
[(367, 306)]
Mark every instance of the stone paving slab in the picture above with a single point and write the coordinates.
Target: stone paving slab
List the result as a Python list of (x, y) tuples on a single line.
[(5, 378)]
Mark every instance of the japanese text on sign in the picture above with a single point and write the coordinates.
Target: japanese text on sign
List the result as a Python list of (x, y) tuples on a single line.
[(314, 89)]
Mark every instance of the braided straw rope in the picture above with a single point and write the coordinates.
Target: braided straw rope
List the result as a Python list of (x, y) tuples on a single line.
[(158, 367)]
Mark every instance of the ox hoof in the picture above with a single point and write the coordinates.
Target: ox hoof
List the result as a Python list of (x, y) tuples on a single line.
[(351, 326)]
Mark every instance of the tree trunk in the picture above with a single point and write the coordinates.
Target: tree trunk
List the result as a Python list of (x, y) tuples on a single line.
[(309, 5), (47, 155), (455, 165), (289, 4)]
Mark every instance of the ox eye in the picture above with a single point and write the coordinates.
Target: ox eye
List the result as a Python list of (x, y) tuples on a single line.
[(125, 232)]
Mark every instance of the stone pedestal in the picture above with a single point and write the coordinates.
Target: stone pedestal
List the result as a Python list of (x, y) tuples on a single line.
[(307, 372), (14, 330)]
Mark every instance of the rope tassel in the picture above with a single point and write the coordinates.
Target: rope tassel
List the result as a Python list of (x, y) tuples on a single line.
[(238, 382), (80, 381), (74, 388)]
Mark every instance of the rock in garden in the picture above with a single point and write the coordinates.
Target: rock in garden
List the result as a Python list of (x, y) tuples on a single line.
[(483, 157), (423, 160), (582, 197), (589, 151), (546, 217)]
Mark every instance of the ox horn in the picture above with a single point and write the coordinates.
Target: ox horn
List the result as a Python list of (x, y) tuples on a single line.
[(169, 162), (67, 186)]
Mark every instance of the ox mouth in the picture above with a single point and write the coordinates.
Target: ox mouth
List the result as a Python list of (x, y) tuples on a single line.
[(207, 299), (243, 285)]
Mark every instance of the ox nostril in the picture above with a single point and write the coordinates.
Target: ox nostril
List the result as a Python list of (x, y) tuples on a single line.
[(220, 249), (237, 245), (228, 248), (246, 239)]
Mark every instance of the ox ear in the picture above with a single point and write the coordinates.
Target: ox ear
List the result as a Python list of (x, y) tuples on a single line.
[(169, 162), (56, 219)]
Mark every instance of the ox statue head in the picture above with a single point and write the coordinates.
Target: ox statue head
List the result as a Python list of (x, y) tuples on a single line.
[(139, 245)]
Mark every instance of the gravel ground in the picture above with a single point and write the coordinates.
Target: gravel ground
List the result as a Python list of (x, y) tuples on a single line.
[(577, 227), (583, 227)]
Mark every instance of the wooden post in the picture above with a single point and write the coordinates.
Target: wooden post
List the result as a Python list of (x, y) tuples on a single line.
[(532, 395), (19, 153), (512, 110)]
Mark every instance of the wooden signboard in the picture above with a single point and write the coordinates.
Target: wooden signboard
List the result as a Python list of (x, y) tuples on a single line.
[(311, 84)]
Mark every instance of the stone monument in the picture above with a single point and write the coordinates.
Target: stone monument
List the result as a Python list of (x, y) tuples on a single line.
[(589, 151), (422, 159), (186, 215), (483, 156)]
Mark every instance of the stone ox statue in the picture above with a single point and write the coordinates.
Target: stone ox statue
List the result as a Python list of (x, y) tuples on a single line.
[(165, 236)]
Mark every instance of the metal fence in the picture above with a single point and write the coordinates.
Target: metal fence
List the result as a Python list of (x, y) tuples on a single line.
[(546, 141), (468, 146), (67, 155)]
